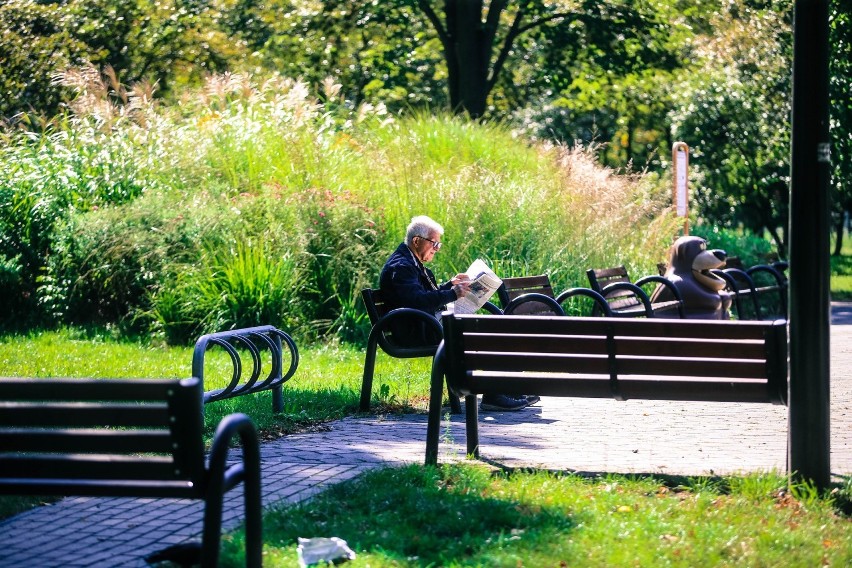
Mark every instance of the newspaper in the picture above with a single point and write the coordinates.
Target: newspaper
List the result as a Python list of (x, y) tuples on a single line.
[(482, 286)]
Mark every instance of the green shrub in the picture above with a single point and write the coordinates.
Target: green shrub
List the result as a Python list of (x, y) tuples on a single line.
[(252, 201), (750, 248)]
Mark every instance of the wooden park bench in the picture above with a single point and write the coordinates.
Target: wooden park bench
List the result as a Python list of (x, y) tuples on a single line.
[(628, 299), (127, 438), (656, 359), (381, 319)]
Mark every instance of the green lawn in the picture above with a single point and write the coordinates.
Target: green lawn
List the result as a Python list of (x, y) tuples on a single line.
[(326, 387), (468, 515)]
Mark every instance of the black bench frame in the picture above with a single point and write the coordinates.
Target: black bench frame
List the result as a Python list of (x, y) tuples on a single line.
[(654, 359), (127, 438), (381, 319)]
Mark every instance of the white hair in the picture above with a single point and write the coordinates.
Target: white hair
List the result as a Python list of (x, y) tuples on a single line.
[(422, 226)]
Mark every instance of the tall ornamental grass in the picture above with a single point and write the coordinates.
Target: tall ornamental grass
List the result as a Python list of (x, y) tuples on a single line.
[(255, 201)]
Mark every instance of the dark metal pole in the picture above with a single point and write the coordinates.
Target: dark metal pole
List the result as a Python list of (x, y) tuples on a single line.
[(809, 444)]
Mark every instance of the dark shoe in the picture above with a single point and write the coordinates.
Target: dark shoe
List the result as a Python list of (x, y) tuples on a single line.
[(501, 402), (532, 399)]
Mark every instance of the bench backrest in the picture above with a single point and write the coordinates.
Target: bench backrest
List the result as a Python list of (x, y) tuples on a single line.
[(616, 357), (622, 299), (514, 287), (374, 303), (102, 437)]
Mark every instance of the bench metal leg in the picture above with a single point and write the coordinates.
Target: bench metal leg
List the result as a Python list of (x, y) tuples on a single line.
[(369, 367), (471, 424), (436, 394)]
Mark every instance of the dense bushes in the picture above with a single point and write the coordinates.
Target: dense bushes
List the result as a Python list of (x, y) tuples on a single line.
[(254, 203)]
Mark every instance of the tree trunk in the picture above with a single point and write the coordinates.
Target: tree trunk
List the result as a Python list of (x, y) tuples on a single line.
[(468, 60), (838, 234)]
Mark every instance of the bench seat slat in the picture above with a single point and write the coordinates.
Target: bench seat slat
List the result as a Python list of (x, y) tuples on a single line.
[(652, 346), (600, 364), (86, 440), (81, 414), (598, 386), (101, 487), (90, 466)]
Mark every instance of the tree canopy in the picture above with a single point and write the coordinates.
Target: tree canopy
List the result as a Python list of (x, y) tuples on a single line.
[(629, 76)]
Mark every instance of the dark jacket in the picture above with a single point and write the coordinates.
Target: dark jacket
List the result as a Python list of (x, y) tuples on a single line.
[(406, 283)]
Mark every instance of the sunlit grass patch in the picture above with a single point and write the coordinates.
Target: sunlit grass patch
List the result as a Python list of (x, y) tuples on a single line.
[(468, 515)]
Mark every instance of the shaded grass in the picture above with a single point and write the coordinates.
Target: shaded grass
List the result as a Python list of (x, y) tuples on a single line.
[(467, 515)]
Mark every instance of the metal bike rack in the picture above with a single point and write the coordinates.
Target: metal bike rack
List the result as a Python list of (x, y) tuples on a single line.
[(255, 340)]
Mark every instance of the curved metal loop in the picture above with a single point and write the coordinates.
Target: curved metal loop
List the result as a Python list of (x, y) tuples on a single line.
[(550, 304), (275, 360), (767, 268), (226, 392), (385, 321), (636, 290), (492, 309), (668, 285), (738, 276), (255, 360), (588, 292), (294, 355)]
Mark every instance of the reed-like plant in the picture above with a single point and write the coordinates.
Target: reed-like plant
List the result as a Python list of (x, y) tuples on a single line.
[(327, 186)]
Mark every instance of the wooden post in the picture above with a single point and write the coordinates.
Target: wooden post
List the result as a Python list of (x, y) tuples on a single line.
[(680, 182)]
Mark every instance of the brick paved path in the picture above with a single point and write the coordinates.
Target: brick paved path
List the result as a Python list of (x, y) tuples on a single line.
[(560, 433)]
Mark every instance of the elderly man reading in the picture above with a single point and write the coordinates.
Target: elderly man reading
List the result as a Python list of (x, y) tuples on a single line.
[(407, 283)]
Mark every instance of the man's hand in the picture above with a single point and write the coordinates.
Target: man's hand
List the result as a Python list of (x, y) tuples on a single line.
[(461, 285)]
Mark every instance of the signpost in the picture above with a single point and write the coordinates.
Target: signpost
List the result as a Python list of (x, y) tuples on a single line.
[(680, 182)]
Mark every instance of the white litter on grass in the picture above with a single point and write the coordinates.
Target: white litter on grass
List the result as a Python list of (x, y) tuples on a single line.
[(315, 550)]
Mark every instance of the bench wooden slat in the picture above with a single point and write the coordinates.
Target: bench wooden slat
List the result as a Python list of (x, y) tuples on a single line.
[(678, 329), (92, 466), (87, 441), (81, 414), (662, 347), (103, 488), (601, 364), (645, 388), (85, 389)]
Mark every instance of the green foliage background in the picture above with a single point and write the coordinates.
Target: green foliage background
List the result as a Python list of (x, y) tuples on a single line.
[(258, 202)]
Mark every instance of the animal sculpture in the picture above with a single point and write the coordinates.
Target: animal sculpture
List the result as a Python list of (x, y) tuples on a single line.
[(689, 269)]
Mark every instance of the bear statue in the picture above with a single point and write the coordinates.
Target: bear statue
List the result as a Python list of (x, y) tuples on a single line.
[(689, 269)]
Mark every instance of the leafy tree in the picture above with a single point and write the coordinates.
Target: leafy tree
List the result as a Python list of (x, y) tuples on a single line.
[(161, 41), (736, 118), (840, 90), (479, 42), (35, 44), (378, 51)]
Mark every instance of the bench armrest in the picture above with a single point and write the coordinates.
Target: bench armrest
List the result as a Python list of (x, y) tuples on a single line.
[(668, 285), (588, 292), (636, 290), (535, 298), (383, 326), (222, 477)]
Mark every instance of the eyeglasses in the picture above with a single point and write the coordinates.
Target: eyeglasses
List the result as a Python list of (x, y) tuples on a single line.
[(435, 244)]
